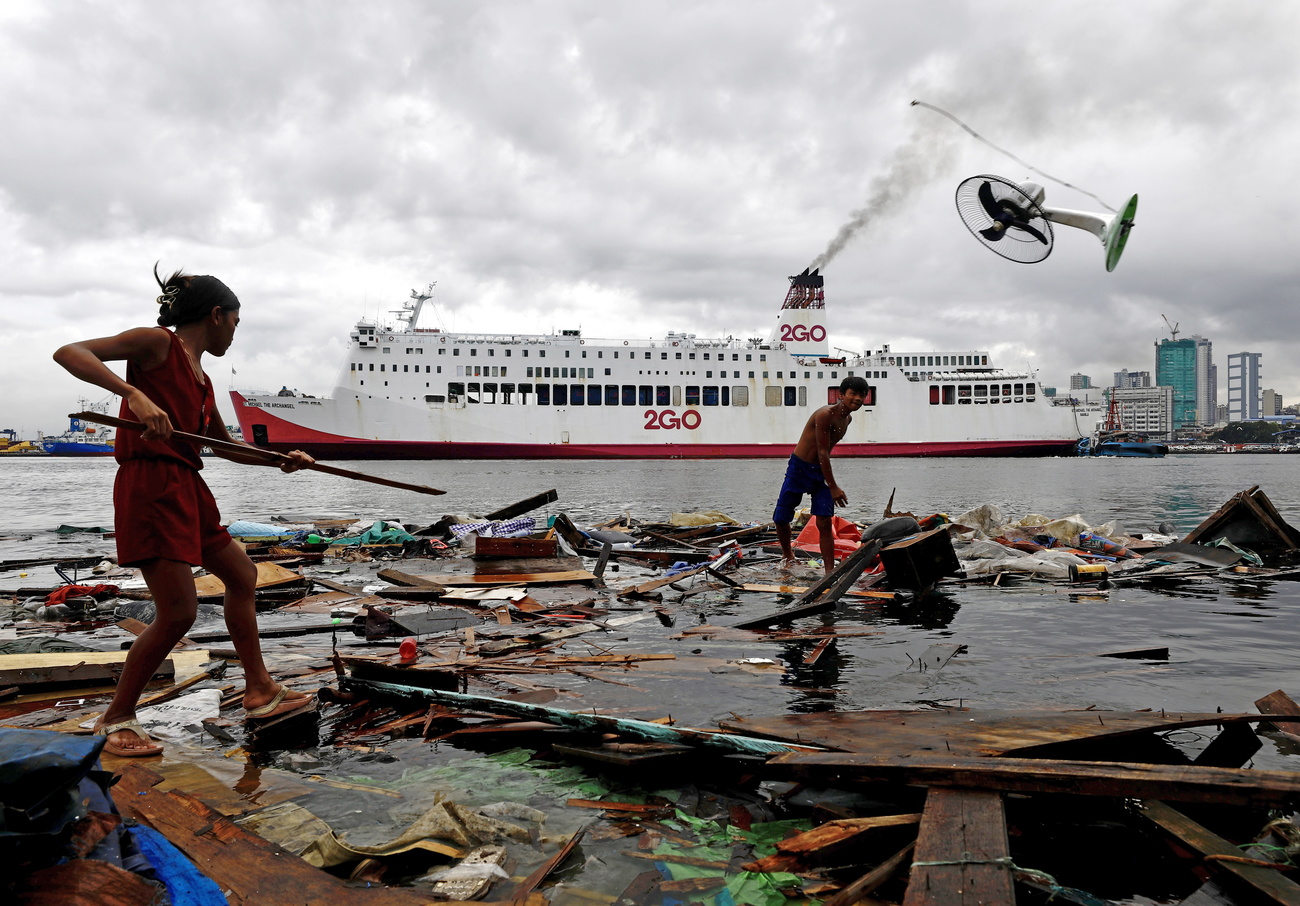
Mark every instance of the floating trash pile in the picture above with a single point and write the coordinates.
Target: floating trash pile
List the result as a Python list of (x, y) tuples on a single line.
[(494, 721)]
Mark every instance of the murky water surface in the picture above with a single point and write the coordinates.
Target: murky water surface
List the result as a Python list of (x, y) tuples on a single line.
[(1025, 647)]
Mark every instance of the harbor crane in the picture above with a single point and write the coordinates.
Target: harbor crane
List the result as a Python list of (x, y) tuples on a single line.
[(1173, 328)]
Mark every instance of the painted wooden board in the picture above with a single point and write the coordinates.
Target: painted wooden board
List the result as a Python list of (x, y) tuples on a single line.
[(967, 830), (268, 575), (961, 732), (1181, 783)]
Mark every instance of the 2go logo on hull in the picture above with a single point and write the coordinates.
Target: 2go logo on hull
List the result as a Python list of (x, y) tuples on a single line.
[(797, 333), (668, 419)]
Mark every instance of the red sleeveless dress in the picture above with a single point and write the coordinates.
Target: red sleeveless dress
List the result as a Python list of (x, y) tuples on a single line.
[(162, 506)]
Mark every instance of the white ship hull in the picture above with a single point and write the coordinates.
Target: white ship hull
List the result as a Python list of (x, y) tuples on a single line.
[(406, 393)]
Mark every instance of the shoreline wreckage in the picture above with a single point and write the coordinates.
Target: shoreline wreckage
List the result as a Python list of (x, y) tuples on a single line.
[(499, 644)]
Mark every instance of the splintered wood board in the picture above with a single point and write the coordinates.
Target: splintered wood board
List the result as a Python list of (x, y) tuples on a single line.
[(968, 732), (268, 574)]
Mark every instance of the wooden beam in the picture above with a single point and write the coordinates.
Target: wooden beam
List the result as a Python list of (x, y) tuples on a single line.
[(963, 857), (1185, 783), (1266, 881), (526, 505)]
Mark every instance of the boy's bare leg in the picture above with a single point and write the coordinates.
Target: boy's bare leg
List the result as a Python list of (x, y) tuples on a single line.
[(826, 540), (783, 536)]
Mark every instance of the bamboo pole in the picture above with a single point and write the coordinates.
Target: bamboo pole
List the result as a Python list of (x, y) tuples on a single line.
[(267, 456)]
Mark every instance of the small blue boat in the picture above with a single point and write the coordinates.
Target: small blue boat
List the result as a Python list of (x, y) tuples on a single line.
[(1121, 443), (81, 439)]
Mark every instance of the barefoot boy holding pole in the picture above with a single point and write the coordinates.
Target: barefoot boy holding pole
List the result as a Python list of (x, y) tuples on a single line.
[(809, 471)]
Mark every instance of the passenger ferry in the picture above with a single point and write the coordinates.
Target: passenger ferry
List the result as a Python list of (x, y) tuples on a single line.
[(407, 392)]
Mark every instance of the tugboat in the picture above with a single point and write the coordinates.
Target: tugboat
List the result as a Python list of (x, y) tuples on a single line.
[(1112, 440)]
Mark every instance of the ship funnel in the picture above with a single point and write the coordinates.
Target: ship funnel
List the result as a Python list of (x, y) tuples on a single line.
[(801, 324)]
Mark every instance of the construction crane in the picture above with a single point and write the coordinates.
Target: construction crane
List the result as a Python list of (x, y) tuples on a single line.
[(1173, 329)]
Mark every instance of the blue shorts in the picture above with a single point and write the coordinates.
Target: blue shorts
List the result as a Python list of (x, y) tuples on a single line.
[(803, 478)]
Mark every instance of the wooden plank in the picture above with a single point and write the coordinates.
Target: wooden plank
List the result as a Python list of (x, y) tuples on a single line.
[(603, 560), (528, 504), (83, 882), (835, 833), (397, 577), (972, 732), (1266, 881), (646, 587), (1281, 704), (800, 589), (251, 868), (268, 575), (1232, 748), (1184, 783), (825, 594), (30, 672), (514, 547), (451, 580), (856, 893), (962, 852)]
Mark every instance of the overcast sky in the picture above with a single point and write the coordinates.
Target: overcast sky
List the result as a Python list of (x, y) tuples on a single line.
[(630, 168)]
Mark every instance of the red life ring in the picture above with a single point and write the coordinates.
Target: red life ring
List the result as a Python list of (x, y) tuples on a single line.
[(674, 342)]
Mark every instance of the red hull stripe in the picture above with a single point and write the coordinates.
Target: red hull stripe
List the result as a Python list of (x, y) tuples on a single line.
[(285, 435)]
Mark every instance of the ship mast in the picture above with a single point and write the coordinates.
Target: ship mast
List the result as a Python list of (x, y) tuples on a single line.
[(410, 312)]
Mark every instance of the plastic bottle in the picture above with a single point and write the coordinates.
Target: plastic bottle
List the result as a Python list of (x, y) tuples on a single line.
[(407, 650)]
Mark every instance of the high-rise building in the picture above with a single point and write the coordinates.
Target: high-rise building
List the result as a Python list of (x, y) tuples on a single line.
[(1080, 382), (1128, 380), (1243, 385), (1207, 383), (1146, 410), (1185, 366), (1270, 403)]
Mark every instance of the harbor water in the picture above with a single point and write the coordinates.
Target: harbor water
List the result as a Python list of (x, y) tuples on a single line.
[(1230, 641)]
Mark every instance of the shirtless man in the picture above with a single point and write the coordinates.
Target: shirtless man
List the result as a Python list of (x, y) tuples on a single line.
[(809, 471)]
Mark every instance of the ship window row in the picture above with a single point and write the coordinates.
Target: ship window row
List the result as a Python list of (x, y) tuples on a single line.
[(428, 369), (476, 392), (922, 361), (968, 394), (600, 353)]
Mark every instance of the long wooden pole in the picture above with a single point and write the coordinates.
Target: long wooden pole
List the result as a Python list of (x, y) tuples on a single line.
[(268, 456)]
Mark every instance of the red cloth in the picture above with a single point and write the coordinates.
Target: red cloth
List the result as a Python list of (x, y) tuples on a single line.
[(162, 507), (59, 595), (847, 537), (174, 388)]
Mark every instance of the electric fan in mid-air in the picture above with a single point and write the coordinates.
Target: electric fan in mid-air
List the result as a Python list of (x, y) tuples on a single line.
[(1012, 220)]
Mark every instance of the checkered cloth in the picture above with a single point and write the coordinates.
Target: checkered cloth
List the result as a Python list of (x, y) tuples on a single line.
[(509, 528)]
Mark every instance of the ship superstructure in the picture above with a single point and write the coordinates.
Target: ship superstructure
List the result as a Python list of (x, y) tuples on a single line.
[(408, 392)]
